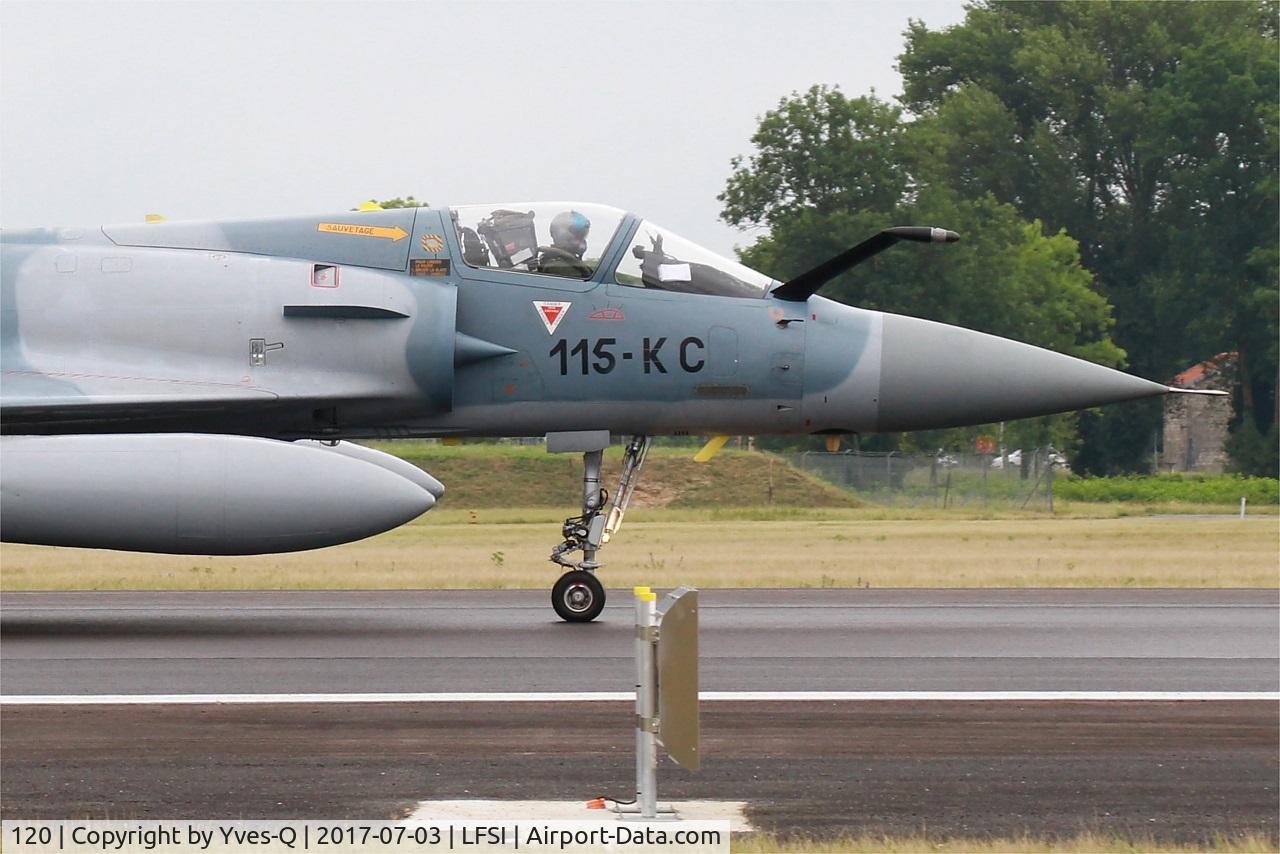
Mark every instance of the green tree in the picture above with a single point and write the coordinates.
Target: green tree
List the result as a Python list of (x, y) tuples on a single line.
[(818, 152), (829, 171), (1148, 132), (397, 202)]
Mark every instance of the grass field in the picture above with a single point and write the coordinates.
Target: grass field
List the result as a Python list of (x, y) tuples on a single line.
[(528, 476), (832, 547), (744, 520)]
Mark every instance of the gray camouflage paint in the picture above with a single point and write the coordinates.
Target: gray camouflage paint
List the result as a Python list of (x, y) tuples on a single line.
[(150, 328), (135, 320)]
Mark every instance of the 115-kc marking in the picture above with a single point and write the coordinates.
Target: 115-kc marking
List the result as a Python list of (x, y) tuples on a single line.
[(584, 357)]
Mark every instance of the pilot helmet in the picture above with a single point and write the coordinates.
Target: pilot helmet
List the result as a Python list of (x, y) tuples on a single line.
[(569, 231)]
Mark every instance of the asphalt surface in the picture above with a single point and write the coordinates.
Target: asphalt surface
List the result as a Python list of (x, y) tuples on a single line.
[(1178, 771), (763, 640)]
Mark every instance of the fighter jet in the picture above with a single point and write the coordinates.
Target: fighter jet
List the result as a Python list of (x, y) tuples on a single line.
[(196, 387)]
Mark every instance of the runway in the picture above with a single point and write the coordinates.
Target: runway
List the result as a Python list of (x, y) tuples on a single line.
[(1008, 765), (509, 641)]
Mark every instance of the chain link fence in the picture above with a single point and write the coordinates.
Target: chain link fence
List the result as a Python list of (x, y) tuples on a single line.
[(1016, 480)]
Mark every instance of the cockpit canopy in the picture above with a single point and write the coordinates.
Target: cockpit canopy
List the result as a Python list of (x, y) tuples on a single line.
[(663, 260), (572, 240), (564, 239)]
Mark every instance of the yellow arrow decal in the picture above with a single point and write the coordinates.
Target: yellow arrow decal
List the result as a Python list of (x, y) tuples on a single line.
[(392, 233)]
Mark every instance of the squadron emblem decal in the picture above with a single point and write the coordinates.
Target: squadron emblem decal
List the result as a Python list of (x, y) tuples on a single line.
[(551, 313)]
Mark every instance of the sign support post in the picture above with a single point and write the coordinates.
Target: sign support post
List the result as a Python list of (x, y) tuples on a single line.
[(666, 692), (646, 705)]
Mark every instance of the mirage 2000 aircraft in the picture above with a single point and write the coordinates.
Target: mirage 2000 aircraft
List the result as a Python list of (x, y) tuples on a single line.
[(190, 387)]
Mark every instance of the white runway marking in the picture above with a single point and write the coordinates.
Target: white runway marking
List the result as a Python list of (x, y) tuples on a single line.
[(618, 696)]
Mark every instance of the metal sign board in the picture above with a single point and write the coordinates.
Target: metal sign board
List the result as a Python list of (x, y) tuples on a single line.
[(678, 676)]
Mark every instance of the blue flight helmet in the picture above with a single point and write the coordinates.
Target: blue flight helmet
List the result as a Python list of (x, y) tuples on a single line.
[(569, 232)]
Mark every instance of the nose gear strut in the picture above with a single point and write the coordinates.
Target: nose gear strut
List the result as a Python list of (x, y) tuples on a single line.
[(578, 596)]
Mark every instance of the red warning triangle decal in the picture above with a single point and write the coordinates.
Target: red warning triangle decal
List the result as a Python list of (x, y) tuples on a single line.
[(551, 313)]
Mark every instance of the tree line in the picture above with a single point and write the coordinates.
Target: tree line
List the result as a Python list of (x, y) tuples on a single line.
[(1112, 168)]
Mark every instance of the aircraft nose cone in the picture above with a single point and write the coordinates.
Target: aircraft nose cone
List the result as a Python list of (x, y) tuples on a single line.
[(933, 375)]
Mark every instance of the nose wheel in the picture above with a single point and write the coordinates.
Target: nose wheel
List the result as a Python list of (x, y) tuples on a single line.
[(578, 597)]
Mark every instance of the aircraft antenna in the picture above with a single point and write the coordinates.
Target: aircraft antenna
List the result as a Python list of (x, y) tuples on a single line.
[(807, 284)]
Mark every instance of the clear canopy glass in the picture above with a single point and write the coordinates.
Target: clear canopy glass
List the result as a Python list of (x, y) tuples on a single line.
[(662, 260), (565, 239)]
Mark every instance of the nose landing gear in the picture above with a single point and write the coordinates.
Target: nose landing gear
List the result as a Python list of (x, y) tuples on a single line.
[(578, 596)]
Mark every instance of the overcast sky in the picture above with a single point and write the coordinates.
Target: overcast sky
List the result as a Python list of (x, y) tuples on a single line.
[(112, 110)]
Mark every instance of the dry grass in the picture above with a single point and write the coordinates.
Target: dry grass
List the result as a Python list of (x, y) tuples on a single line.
[(1084, 844), (834, 548), (492, 476)]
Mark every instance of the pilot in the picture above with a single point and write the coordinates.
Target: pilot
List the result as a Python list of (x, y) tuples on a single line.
[(563, 257)]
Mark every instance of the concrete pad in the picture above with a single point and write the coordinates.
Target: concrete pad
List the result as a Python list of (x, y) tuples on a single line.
[(445, 811)]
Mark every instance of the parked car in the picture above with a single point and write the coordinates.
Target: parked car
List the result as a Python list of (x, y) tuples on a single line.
[(1015, 459)]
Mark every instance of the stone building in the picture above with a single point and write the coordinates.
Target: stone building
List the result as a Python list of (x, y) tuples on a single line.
[(1195, 426)]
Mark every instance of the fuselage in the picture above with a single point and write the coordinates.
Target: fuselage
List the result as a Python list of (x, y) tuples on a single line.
[(160, 381), (373, 324)]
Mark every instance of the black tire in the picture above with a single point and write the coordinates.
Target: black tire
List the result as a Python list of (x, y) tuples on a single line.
[(578, 597)]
